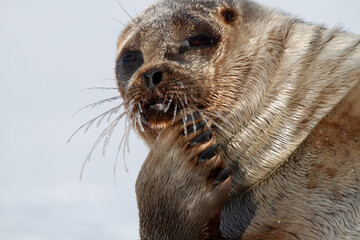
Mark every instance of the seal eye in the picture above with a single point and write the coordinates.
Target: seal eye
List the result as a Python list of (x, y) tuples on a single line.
[(130, 58), (201, 40), (127, 64), (198, 41)]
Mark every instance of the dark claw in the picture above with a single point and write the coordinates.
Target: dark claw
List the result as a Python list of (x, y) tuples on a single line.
[(208, 154), (202, 138), (199, 125), (195, 115), (223, 175)]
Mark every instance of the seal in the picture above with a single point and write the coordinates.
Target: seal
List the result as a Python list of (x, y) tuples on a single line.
[(282, 97)]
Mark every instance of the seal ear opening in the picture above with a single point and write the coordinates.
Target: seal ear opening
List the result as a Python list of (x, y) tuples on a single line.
[(228, 15)]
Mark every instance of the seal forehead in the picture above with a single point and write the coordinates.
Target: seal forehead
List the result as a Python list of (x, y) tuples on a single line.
[(157, 15), (157, 25)]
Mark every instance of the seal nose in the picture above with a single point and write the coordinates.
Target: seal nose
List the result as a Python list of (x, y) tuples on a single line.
[(152, 78)]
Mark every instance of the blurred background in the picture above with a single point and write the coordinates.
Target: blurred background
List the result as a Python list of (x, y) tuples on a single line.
[(49, 52)]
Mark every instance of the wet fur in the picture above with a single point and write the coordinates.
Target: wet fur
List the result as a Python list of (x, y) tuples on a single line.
[(284, 97)]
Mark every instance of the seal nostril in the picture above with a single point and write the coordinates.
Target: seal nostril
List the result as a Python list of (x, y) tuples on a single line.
[(152, 78), (157, 77), (146, 80)]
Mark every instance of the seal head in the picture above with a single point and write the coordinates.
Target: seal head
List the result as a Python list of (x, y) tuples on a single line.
[(161, 74)]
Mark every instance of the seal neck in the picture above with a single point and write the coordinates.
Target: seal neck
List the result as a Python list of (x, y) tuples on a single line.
[(296, 78)]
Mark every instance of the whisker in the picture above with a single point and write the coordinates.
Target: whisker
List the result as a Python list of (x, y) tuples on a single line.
[(97, 88), (174, 115), (216, 117), (183, 116), (100, 120), (129, 127), (184, 109), (110, 114), (122, 144), (92, 105), (201, 112), (117, 20), (185, 99), (191, 112), (98, 140), (136, 12), (141, 111), (170, 101), (139, 122), (211, 120), (125, 138), (108, 136), (124, 9), (89, 123), (107, 139), (193, 119)]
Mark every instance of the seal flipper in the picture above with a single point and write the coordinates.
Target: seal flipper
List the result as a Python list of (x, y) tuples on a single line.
[(183, 186)]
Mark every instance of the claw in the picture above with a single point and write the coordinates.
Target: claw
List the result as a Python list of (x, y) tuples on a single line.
[(223, 175), (202, 138), (208, 154), (198, 126), (195, 115)]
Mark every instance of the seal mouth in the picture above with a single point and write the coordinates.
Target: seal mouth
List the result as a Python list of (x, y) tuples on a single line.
[(156, 114), (158, 107)]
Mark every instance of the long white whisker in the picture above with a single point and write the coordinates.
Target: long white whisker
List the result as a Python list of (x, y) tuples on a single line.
[(97, 88), (122, 145), (139, 122), (89, 123), (92, 105), (109, 134), (110, 114), (185, 99), (183, 116), (98, 140), (201, 112), (192, 118), (125, 137), (170, 101), (141, 111), (174, 115)]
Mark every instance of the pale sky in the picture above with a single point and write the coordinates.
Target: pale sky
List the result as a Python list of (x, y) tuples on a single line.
[(50, 50)]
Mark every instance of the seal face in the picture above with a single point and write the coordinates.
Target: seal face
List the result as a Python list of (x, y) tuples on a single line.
[(161, 74)]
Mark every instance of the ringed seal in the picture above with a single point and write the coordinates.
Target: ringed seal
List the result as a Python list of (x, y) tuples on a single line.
[(283, 99)]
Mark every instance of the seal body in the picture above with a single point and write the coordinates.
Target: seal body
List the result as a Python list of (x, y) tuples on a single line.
[(282, 97), (315, 193)]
